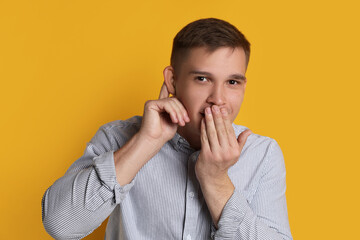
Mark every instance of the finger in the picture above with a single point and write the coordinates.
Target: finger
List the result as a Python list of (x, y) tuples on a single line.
[(181, 114), (220, 126), (182, 109), (164, 106), (168, 105), (176, 107), (229, 128), (203, 136), (211, 130), (243, 137), (164, 93)]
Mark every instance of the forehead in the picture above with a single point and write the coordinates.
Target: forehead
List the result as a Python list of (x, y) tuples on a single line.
[(224, 60)]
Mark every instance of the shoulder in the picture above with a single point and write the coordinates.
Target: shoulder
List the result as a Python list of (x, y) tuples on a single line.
[(255, 141), (263, 149), (133, 122), (261, 156), (116, 133)]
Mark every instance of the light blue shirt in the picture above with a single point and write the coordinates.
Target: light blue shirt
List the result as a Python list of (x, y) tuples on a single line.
[(164, 200)]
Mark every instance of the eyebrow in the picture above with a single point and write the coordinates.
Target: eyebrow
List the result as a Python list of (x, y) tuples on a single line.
[(234, 76)]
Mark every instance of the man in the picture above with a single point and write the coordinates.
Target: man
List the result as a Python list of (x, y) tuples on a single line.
[(183, 170)]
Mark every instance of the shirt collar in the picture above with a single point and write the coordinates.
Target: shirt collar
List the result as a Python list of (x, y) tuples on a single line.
[(178, 142)]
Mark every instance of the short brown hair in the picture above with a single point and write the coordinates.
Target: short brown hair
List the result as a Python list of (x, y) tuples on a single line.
[(211, 33)]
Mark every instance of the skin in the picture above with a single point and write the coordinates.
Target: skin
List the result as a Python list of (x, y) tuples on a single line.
[(198, 91), (202, 108)]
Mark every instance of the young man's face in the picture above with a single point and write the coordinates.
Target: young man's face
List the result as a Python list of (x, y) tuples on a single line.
[(207, 79)]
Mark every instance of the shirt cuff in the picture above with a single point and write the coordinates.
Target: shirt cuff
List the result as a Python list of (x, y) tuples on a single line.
[(232, 216), (105, 168)]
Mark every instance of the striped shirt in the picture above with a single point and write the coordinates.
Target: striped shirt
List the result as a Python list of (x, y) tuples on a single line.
[(164, 200)]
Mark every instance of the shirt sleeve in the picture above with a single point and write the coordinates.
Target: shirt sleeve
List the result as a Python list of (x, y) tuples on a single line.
[(266, 216), (77, 203)]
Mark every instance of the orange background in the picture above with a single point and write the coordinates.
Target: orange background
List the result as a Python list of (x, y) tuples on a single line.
[(67, 67)]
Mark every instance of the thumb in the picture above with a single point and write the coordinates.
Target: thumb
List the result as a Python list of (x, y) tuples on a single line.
[(164, 93), (243, 137)]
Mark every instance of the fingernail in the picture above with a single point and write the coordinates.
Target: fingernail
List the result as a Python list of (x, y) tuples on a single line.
[(207, 110), (223, 111), (216, 109)]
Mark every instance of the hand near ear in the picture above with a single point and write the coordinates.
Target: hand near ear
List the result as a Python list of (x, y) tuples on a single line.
[(159, 124), (162, 117)]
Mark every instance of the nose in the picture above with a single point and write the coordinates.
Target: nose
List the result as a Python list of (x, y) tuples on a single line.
[(217, 96)]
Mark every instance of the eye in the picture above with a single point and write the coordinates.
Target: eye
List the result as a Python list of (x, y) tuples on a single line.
[(201, 78), (233, 82)]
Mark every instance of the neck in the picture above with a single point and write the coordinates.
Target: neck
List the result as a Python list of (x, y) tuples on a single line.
[(192, 137)]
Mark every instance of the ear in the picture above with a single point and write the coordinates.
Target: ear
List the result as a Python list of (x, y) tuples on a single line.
[(169, 79)]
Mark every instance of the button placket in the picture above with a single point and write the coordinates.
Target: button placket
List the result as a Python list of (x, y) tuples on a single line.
[(193, 205), (191, 195)]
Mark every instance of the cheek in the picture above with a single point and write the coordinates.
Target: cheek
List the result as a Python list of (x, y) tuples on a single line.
[(236, 101), (192, 100)]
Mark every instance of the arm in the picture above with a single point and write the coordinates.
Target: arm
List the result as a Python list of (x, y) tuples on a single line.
[(219, 150), (232, 216), (84, 197), (159, 124), (266, 216)]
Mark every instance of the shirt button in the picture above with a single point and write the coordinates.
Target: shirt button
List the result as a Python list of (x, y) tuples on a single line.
[(191, 195), (188, 237)]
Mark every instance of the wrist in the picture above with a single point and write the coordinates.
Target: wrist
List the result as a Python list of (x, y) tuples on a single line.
[(216, 192), (149, 143), (211, 175), (211, 179), (219, 184)]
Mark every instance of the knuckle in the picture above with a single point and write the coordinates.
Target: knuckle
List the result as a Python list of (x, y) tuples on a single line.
[(173, 104), (173, 101), (203, 137), (221, 129), (218, 157), (225, 117), (212, 134), (227, 155), (235, 153), (148, 103)]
